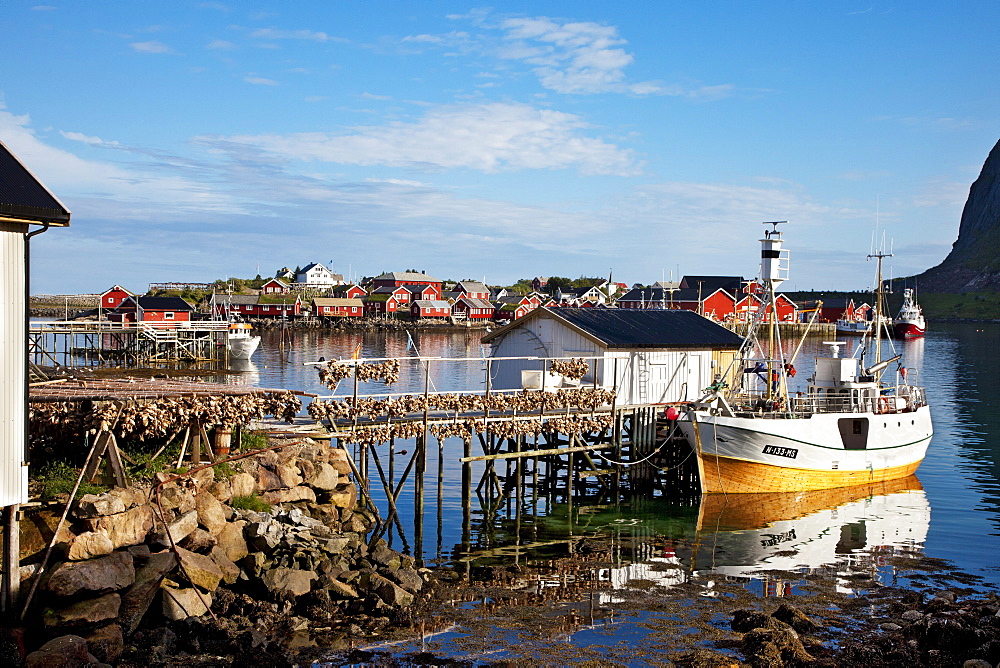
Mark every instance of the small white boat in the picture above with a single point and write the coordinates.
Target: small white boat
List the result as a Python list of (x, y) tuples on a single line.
[(852, 326), (241, 342), (847, 428), (909, 323)]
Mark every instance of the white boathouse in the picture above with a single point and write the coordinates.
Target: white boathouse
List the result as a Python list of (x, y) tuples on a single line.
[(650, 356), (24, 202)]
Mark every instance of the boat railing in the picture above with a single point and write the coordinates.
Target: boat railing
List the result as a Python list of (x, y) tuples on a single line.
[(896, 399)]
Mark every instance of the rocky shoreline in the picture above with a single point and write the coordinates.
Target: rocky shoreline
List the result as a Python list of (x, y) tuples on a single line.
[(147, 574)]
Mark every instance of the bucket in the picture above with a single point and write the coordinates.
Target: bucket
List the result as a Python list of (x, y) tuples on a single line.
[(223, 439)]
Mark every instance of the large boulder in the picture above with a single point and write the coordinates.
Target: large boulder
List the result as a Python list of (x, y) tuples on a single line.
[(97, 505), (88, 612), (106, 643), (242, 484), (98, 576), (390, 593), (123, 529), (231, 540), (290, 495), (178, 529), (137, 598), (183, 602), (339, 460), (288, 582), (89, 545), (325, 478), (199, 569), (344, 496), (230, 571), (174, 497), (62, 652), (211, 513)]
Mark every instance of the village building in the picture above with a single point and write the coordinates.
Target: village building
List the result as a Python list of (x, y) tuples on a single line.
[(577, 296), (285, 274), (347, 291), (275, 286), (472, 290), (395, 279), (382, 304), (152, 310), (424, 292), (751, 304), (113, 297), (650, 356), (337, 307), (473, 309), (539, 283), (258, 306), (316, 275), (430, 308)]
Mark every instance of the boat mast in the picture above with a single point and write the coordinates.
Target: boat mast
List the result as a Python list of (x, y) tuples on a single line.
[(773, 271), (879, 299)]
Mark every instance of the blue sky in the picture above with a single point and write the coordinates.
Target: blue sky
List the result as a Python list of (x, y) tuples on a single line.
[(199, 140)]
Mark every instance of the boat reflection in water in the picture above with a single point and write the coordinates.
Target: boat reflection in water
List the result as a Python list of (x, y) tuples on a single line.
[(248, 374), (769, 540)]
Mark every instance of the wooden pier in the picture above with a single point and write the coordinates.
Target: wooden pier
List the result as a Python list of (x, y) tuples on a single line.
[(93, 343), (531, 450)]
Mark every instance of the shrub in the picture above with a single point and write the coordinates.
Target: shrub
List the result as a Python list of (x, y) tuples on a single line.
[(58, 477)]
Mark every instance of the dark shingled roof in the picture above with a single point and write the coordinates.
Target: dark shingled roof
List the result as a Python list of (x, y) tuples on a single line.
[(159, 303), (23, 197), (639, 328)]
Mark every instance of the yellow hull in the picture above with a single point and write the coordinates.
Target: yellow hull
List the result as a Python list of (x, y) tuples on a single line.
[(734, 476)]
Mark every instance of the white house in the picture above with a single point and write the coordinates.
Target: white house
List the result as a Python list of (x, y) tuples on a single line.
[(317, 275), (656, 356)]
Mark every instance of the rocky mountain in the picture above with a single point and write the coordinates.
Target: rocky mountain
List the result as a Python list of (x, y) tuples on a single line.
[(974, 262)]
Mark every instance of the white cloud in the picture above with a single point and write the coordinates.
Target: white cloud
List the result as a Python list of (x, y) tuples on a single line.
[(150, 47), (308, 35), (220, 45), (260, 81), (487, 137)]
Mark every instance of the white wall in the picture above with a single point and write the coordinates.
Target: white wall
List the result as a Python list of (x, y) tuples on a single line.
[(13, 362)]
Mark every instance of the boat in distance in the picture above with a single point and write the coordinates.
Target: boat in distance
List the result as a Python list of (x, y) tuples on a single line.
[(909, 322), (850, 425)]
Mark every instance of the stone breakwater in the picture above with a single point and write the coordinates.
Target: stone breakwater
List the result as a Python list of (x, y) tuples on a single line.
[(145, 573)]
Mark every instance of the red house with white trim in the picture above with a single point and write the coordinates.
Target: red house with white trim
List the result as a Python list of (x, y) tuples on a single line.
[(258, 306), (275, 286), (394, 279), (152, 309), (430, 308), (382, 304), (113, 297), (347, 291), (337, 307), (474, 309)]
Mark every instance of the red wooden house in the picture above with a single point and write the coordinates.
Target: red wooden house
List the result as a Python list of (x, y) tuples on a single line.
[(750, 304), (511, 311), (152, 310), (472, 290), (422, 292), (430, 308), (835, 308), (474, 309), (275, 286), (347, 291), (382, 304), (394, 279), (113, 297), (337, 307), (258, 306)]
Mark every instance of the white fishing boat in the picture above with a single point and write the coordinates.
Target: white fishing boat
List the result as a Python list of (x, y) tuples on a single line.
[(855, 422), (909, 323), (853, 326), (240, 341)]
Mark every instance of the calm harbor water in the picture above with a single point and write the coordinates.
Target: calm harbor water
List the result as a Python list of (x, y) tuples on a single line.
[(951, 510)]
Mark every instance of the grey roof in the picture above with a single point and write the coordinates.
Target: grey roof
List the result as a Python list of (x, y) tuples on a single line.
[(415, 289), (473, 286), (638, 328), (432, 303), (709, 284), (475, 302), (242, 300), (23, 197), (406, 276)]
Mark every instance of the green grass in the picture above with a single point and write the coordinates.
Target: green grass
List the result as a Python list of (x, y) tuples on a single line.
[(253, 440), (251, 502), (58, 477)]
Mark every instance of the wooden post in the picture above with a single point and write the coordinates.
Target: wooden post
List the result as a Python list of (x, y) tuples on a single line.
[(10, 589)]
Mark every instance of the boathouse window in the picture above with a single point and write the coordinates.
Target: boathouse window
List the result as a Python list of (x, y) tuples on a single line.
[(169, 315)]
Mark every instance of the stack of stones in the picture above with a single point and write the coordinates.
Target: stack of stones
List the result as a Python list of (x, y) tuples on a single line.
[(123, 565)]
